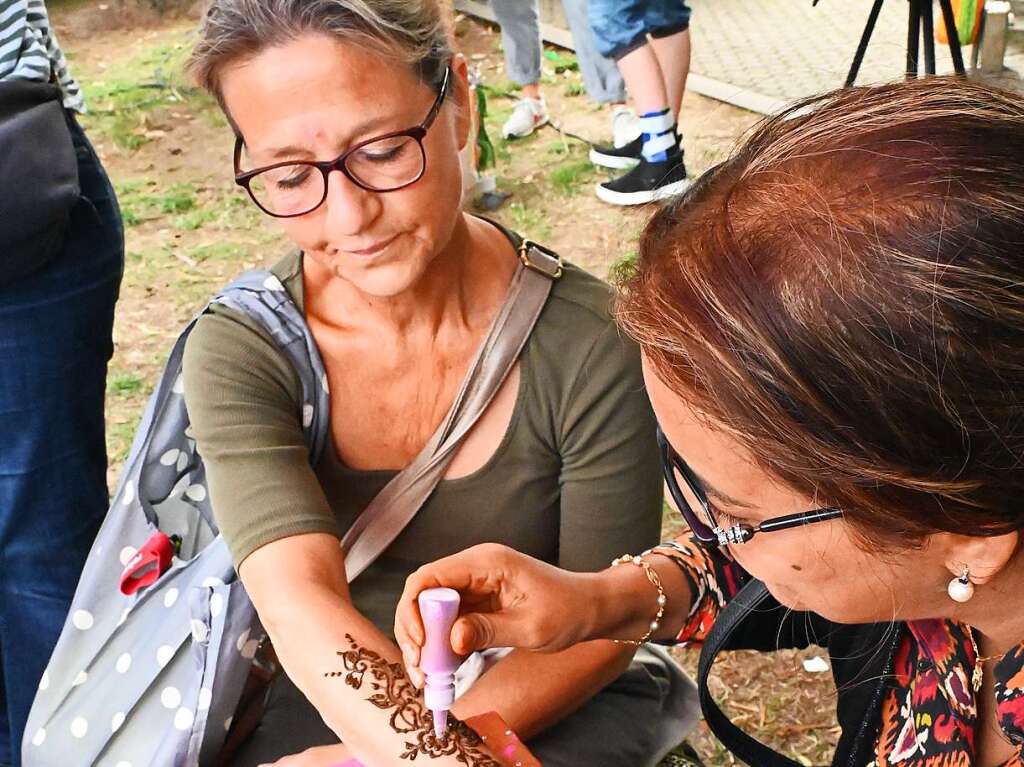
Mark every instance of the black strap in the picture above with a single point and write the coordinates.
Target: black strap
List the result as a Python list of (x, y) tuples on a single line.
[(742, 745)]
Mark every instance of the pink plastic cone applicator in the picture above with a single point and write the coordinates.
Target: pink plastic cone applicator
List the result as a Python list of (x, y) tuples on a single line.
[(439, 608)]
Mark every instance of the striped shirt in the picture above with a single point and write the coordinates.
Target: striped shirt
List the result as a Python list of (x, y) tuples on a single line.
[(29, 50)]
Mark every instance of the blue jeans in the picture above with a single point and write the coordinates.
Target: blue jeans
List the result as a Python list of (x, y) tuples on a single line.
[(622, 26), (55, 341), (520, 37)]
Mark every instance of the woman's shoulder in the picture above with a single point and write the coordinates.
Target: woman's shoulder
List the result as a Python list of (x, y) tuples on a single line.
[(228, 348), (577, 331), (582, 297)]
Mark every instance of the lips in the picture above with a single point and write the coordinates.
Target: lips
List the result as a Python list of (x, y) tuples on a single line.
[(372, 249)]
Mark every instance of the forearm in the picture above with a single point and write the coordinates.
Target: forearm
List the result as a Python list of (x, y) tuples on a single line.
[(340, 661), (532, 691)]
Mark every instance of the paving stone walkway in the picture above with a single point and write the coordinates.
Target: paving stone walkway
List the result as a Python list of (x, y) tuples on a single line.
[(769, 52)]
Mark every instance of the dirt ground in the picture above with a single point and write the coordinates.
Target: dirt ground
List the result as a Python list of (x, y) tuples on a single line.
[(189, 229)]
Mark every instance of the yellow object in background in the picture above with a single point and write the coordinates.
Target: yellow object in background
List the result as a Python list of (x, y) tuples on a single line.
[(968, 21)]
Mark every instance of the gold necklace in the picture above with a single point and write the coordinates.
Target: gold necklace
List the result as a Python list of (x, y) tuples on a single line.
[(979, 660)]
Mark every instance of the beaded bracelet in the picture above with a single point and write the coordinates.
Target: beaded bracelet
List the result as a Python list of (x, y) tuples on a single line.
[(655, 580)]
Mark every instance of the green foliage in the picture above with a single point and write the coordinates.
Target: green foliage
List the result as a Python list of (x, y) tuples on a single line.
[(529, 222), (124, 104), (123, 384), (223, 251), (504, 89), (623, 269), (143, 200), (564, 61), (569, 177), (177, 199), (196, 219)]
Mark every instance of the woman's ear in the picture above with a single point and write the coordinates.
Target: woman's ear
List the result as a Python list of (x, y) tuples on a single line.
[(984, 558), (461, 100)]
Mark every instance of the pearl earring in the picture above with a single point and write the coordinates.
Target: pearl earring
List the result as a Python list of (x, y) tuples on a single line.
[(961, 589)]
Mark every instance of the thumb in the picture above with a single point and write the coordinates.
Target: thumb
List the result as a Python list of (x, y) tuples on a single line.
[(480, 631)]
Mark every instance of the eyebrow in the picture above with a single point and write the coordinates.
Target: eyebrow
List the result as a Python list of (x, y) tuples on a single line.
[(719, 494)]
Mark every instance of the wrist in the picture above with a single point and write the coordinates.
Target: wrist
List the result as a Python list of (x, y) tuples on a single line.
[(621, 603)]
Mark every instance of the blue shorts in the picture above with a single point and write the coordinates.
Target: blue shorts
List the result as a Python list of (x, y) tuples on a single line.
[(622, 26)]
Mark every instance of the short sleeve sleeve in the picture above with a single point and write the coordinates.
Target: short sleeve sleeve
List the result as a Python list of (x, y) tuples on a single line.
[(611, 487), (244, 404)]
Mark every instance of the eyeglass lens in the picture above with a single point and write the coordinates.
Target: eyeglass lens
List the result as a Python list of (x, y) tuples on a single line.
[(383, 165)]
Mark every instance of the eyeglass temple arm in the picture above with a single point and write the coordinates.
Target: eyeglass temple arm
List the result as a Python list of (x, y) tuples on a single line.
[(796, 520), (439, 101)]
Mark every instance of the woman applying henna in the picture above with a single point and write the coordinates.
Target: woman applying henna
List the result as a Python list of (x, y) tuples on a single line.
[(832, 328)]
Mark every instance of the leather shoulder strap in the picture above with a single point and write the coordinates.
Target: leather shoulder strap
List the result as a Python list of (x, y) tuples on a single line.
[(742, 745), (395, 506)]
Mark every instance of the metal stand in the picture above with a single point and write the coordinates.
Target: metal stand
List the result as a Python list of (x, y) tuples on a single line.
[(920, 23)]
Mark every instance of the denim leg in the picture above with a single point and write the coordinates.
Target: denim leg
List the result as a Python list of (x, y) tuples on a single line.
[(55, 342), (666, 17), (600, 75), (520, 37), (618, 26)]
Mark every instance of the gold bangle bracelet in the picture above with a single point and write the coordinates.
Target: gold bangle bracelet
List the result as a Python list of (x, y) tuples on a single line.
[(655, 580)]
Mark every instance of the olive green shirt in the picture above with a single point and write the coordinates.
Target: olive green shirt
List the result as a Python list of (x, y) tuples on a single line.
[(575, 481)]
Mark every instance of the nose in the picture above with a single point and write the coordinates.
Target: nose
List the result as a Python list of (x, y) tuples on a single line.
[(349, 209)]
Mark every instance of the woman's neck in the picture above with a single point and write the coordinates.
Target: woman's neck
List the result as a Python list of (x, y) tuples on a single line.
[(457, 289)]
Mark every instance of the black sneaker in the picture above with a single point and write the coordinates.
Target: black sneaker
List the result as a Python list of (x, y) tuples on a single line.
[(647, 182), (620, 158)]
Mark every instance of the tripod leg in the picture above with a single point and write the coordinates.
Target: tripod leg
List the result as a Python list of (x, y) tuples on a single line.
[(913, 38), (862, 46), (928, 33), (951, 34)]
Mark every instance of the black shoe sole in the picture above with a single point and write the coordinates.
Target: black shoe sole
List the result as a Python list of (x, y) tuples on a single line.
[(640, 198)]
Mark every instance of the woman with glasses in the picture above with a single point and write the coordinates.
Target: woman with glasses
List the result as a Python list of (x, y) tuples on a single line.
[(832, 331), (349, 116)]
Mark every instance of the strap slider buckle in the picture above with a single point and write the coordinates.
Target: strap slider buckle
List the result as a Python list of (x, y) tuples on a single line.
[(540, 259)]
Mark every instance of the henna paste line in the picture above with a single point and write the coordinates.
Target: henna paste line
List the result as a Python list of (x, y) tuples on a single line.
[(392, 691)]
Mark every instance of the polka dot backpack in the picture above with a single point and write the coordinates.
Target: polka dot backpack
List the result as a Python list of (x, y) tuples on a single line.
[(161, 634)]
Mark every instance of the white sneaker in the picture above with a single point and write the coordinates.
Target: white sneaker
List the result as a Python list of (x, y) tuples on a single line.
[(527, 115), (625, 126)]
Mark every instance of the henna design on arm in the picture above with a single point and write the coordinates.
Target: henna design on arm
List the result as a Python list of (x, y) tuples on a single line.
[(391, 690)]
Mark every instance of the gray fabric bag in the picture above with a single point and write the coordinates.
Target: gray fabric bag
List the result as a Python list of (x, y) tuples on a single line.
[(152, 679)]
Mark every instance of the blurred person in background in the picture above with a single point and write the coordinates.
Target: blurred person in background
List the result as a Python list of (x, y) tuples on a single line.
[(649, 40), (61, 261), (521, 39)]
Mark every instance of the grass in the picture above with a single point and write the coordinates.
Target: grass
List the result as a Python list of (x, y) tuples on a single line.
[(145, 199), (122, 384), (528, 220), (570, 177), (126, 104), (223, 251)]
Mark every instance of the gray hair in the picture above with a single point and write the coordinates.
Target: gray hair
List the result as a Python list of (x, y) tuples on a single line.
[(414, 32)]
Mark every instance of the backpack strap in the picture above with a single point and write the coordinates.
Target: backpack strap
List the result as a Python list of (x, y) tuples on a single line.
[(739, 743)]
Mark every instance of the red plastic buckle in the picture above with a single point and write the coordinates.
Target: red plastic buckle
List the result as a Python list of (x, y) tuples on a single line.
[(149, 562)]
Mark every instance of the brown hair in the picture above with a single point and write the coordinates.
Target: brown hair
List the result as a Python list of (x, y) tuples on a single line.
[(845, 296), (412, 31)]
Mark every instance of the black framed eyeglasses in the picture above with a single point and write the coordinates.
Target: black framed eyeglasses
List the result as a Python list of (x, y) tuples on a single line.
[(380, 164), (704, 524)]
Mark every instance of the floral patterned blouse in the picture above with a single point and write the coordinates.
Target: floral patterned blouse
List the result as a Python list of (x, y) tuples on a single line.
[(929, 715)]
